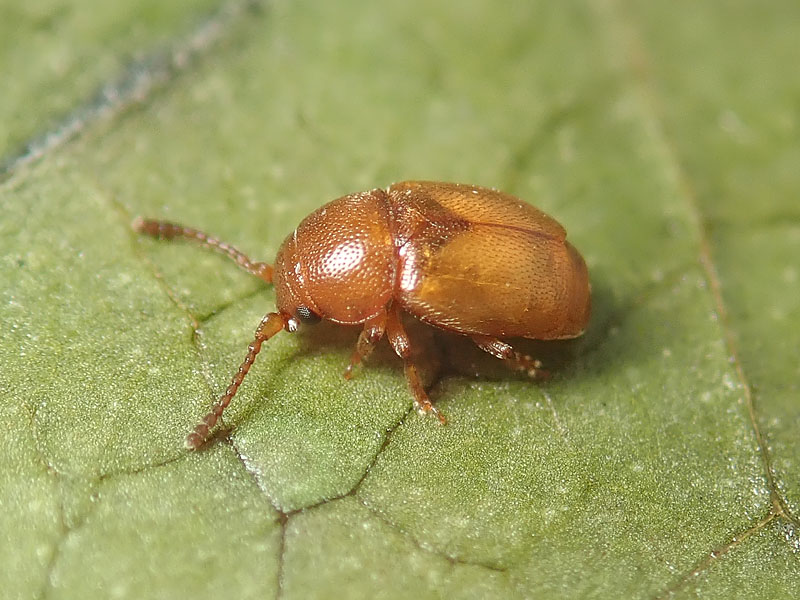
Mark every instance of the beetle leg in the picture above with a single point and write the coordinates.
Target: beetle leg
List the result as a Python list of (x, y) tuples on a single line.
[(164, 230), (512, 358), (401, 344), (372, 333), (271, 324)]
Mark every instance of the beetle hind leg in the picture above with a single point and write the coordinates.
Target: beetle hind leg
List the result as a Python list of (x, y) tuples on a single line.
[(510, 357)]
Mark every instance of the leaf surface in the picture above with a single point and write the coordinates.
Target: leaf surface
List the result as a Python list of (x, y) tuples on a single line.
[(661, 459)]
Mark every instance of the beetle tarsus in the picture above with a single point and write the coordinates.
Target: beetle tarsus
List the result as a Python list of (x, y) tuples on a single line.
[(511, 358), (194, 440)]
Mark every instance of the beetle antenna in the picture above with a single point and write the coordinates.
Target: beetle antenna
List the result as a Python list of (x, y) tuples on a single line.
[(164, 230), (271, 324)]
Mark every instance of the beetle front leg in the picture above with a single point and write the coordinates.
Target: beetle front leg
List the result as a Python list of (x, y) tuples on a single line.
[(401, 344), (510, 357), (271, 324), (372, 333)]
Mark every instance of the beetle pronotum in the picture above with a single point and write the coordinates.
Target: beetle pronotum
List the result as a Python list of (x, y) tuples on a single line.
[(463, 258)]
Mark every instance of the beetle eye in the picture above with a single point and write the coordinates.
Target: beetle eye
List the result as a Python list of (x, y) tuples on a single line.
[(306, 315)]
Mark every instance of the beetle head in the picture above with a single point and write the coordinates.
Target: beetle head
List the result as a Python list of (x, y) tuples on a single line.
[(338, 263)]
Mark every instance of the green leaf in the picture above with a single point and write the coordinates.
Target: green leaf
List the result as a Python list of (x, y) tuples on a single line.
[(56, 54), (661, 460)]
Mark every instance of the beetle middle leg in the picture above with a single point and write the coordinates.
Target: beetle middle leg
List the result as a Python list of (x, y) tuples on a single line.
[(515, 360), (401, 344), (372, 333)]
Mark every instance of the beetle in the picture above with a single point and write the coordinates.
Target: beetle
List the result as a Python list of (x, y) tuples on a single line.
[(466, 259)]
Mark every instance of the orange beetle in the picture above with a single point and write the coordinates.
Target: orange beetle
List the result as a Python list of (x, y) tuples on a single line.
[(466, 259)]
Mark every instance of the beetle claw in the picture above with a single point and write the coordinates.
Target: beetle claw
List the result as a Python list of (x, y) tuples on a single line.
[(439, 415), (429, 409)]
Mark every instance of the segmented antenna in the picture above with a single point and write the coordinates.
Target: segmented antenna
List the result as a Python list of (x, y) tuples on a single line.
[(164, 230)]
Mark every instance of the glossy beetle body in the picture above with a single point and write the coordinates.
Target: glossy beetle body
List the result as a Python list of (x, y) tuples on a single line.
[(467, 259)]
